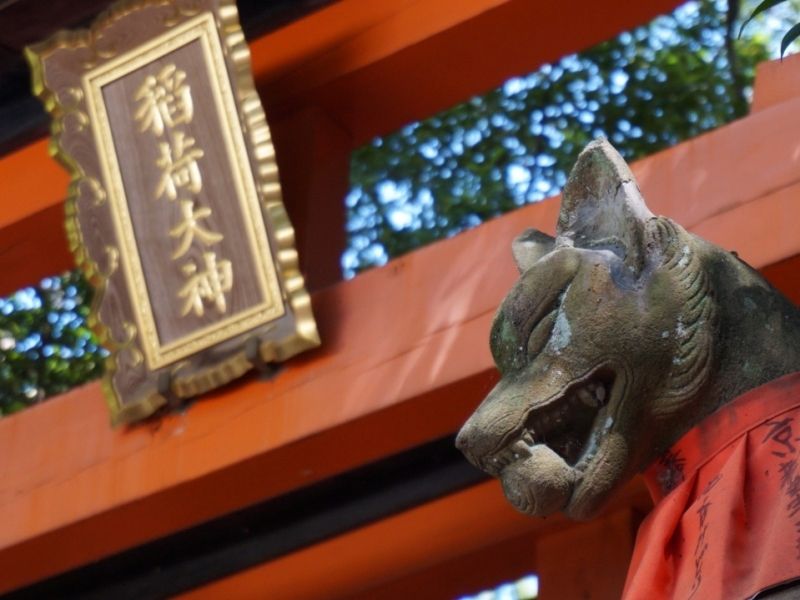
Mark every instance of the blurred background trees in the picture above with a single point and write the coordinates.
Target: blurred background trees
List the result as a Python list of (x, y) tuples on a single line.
[(646, 90), (46, 347)]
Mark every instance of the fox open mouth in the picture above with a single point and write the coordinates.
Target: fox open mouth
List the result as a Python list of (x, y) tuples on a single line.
[(566, 425)]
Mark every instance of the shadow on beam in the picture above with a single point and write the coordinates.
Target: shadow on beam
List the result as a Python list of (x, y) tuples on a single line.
[(265, 531)]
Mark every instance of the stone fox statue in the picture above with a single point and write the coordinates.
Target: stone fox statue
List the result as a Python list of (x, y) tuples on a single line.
[(630, 345)]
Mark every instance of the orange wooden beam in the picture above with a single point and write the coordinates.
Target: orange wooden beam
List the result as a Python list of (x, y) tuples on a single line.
[(692, 183), (776, 82), (33, 243), (31, 182), (380, 383), (32, 248), (359, 64), (406, 553), (588, 560), (785, 275), (468, 574), (375, 364), (370, 80), (404, 360), (315, 180)]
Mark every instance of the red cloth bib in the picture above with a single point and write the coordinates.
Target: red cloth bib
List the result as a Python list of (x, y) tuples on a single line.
[(726, 522)]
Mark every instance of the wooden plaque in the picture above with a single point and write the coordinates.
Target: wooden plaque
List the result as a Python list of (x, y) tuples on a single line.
[(174, 211)]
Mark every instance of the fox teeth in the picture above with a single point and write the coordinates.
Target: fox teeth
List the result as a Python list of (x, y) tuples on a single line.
[(521, 449), (600, 393), (551, 418), (586, 397), (593, 395)]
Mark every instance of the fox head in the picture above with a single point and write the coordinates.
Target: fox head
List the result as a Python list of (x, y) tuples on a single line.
[(609, 345)]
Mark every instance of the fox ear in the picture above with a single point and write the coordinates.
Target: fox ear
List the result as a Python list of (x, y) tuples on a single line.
[(530, 247), (601, 206)]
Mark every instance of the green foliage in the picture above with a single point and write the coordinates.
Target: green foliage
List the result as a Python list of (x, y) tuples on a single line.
[(791, 35), (648, 89), (789, 10), (762, 7), (46, 347)]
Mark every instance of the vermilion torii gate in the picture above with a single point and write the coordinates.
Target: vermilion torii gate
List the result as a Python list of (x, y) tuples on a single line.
[(404, 357)]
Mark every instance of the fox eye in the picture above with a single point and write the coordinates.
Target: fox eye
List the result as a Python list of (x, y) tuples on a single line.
[(541, 333)]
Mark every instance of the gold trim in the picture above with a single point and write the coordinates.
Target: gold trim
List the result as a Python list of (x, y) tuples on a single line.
[(197, 29), (250, 114)]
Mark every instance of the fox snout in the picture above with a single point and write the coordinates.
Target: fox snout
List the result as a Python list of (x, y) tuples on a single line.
[(478, 443), (464, 442)]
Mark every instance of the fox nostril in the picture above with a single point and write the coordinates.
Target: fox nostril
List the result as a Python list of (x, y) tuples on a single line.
[(465, 443), (462, 442)]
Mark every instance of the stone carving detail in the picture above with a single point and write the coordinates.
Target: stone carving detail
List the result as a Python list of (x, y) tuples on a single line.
[(622, 333)]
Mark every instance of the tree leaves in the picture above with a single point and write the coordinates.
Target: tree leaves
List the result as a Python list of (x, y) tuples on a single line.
[(46, 347), (791, 35), (765, 5), (646, 90)]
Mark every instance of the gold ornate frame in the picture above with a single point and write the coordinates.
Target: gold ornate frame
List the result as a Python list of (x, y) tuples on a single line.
[(199, 28), (68, 72)]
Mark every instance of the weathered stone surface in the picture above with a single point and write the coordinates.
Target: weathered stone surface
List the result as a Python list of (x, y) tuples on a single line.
[(621, 334)]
